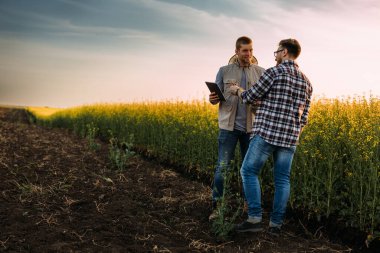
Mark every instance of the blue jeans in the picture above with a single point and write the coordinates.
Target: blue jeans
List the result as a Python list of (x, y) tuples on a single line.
[(227, 142), (257, 154)]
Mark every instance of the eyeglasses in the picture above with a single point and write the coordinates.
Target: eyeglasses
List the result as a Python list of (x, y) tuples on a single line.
[(276, 52)]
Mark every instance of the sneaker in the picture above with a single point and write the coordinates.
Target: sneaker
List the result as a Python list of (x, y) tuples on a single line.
[(274, 231), (247, 226), (213, 215)]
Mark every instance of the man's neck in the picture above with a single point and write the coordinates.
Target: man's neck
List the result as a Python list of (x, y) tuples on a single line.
[(287, 59)]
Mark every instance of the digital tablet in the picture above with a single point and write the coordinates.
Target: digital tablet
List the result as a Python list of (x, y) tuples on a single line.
[(213, 87)]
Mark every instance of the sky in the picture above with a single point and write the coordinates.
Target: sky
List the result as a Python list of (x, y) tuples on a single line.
[(63, 53)]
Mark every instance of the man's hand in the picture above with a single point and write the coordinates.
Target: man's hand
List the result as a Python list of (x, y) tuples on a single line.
[(213, 98), (235, 90)]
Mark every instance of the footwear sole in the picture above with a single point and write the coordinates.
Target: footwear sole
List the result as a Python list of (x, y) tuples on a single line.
[(254, 230)]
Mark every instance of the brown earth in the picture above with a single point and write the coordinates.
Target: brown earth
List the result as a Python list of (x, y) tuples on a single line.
[(57, 195)]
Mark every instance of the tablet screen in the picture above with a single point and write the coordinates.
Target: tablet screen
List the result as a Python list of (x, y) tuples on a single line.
[(213, 87)]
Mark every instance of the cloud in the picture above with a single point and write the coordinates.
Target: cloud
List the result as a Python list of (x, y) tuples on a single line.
[(68, 52), (228, 8), (110, 18), (251, 9)]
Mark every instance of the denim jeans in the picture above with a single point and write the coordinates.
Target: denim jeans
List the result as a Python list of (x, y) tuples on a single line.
[(257, 154), (227, 142)]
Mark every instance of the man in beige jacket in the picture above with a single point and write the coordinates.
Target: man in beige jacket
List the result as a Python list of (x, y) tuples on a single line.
[(235, 119)]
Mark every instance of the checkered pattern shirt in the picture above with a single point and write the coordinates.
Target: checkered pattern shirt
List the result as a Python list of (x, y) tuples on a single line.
[(285, 93)]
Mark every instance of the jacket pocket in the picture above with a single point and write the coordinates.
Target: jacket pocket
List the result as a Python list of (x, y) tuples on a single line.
[(227, 90)]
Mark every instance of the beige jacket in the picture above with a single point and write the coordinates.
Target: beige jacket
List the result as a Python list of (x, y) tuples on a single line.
[(227, 109)]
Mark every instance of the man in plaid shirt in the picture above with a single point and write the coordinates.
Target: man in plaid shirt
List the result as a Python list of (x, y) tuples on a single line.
[(284, 94)]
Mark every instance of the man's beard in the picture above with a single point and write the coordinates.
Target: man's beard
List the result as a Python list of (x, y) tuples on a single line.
[(245, 61)]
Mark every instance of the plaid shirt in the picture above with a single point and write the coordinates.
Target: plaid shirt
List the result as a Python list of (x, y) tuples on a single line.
[(285, 93)]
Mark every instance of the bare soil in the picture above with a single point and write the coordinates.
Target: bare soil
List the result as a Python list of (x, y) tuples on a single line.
[(58, 195)]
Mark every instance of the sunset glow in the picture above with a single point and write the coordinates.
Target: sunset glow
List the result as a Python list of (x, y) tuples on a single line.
[(64, 53)]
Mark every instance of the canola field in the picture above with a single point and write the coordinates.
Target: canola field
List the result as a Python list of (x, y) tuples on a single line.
[(335, 172)]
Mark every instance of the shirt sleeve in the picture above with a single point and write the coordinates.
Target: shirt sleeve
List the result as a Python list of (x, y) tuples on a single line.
[(258, 89), (307, 107), (219, 79)]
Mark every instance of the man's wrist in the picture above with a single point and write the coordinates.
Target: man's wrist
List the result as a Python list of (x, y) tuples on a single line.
[(239, 91)]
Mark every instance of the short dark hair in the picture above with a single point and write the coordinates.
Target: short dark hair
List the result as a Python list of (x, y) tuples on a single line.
[(292, 45), (242, 40)]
